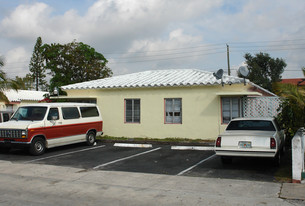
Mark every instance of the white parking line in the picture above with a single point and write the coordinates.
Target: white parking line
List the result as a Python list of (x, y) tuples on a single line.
[(67, 153), (125, 158), (132, 145), (202, 148), (190, 168)]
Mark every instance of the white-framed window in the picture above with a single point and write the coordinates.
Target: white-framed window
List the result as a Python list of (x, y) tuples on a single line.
[(173, 110), (132, 110), (231, 108)]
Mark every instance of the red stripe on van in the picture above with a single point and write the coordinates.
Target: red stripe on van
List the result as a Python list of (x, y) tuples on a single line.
[(61, 131), (65, 130)]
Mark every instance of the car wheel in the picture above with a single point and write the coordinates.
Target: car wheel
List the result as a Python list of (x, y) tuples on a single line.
[(38, 146), (283, 150), (91, 137), (226, 160), (277, 159)]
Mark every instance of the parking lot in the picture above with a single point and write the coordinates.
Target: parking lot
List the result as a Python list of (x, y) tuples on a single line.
[(158, 159)]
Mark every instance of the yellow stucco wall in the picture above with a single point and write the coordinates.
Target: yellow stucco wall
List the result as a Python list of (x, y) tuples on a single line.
[(201, 111)]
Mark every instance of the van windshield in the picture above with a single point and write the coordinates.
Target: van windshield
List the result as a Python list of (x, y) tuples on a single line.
[(30, 113)]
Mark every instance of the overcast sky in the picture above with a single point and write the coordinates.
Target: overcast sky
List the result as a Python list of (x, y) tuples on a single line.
[(140, 35)]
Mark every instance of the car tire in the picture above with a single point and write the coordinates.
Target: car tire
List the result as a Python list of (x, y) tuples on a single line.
[(226, 160), (277, 159), (38, 146), (91, 138), (283, 150)]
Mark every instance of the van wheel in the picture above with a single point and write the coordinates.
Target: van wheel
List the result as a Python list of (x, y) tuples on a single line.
[(5, 149), (91, 136), (38, 146)]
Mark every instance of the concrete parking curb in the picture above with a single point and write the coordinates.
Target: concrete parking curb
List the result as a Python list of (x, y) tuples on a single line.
[(174, 147), (132, 145), (203, 148)]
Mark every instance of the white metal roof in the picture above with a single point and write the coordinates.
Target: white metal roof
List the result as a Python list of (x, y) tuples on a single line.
[(59, 104), (157, 78), (19, 95)]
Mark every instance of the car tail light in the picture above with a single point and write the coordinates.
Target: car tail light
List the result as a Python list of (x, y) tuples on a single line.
[(272, 143), (218, 142)]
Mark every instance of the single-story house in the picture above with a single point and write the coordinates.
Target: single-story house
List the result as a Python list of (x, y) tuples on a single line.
[(20, 97), (184, 103)]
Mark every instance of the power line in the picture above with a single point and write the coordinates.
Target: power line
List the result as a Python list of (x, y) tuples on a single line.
[(204, 45), (201, 50), (169, 54), (164, 50)]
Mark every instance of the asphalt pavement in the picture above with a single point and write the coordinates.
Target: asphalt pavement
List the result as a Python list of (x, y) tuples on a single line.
[(39, 184)]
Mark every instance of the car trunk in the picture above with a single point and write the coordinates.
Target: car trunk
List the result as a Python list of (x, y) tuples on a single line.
[(244, 139)]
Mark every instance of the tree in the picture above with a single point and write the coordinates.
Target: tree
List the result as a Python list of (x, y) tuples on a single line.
[(5, 83), (264, 70), (25, 83), (74, 62), (292, 108), (37, 70)]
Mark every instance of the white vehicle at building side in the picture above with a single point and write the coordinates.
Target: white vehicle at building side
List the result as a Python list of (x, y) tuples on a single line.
[(251, 137)]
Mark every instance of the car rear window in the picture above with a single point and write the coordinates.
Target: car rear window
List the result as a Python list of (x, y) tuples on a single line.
[(263, 125), (89, 111)]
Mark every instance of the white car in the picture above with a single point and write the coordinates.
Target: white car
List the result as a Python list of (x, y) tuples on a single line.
[(251, 137)]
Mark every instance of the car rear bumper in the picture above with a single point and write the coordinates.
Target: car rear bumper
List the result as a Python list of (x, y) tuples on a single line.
[(245, 153)]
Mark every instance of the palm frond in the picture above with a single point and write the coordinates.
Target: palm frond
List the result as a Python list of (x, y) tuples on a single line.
[(291, 92), (3, 97)]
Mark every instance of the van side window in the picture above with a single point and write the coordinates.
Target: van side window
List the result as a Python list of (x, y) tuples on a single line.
[(89, 111), (53, 114), (70, 113)]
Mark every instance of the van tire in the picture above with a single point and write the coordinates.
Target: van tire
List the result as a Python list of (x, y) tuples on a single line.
[(5, 149), (91, 137), (38, 146)]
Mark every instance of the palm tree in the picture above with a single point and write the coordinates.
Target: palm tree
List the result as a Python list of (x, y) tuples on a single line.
[(292, 115), (5, 83)]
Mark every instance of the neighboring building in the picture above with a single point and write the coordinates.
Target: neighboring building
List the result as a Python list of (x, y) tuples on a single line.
[(299, 82), (21, 97), (166, 103)]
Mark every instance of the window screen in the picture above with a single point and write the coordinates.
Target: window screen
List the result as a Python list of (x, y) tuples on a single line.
[(230, 108), (132, 110), (173, 110), (70, 113)]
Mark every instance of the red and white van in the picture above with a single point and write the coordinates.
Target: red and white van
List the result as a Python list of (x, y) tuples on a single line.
[(46, 125)]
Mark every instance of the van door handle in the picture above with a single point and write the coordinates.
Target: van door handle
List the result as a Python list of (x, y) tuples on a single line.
[(59, 122)]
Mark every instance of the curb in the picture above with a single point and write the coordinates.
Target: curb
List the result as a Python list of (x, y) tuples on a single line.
[(175, 147), (132, 145)]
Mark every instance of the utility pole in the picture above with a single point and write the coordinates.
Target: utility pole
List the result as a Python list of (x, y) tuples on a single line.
[(228, 58)]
